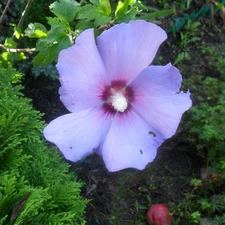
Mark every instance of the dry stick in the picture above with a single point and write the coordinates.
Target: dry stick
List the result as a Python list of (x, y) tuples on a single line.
[(106, 26), (15, 50), (212, 10), (5, 10), (223, 14), (24, 13), (223, 10)]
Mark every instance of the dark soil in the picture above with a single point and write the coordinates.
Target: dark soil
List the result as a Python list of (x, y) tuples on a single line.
[(124, 197)]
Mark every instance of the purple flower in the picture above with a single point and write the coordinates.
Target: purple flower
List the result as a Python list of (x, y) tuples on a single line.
[(120, 107)]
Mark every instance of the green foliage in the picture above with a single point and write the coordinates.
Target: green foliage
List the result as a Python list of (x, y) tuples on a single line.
[(181, 22), (97, 11), (205, 129), (65, 10), (65, 26), (157, 14), (6, 58), (35, 185), (68, 18), (196, 217), (36, 30), (49, 47), (188, 35)]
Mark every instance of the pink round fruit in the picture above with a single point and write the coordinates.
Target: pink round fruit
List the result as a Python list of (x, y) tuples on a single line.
[(159, 214)]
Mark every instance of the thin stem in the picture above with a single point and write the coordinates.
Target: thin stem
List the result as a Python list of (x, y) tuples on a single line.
[(106, 26), (24, 13), (15, 50), (5, 10)]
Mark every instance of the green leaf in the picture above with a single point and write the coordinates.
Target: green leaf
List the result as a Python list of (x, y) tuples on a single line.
[(17, 32), (65, 9), (36, 30), (122, 7), (10, 43), (179, 58), (50, 47), (93, 13), (56, 23), (87, 12), (82, 25), (102, 6), (131, 15), (158, 14), (9, 57), (101, 20)]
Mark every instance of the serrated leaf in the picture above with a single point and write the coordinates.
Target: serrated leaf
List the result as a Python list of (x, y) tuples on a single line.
[(65, 9), (102, 6), (50, 47), (90, 12), (56, 23), (36, 30)]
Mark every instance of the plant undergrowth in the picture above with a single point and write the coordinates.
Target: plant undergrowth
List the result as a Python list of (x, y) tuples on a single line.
[(204, 128), (36, 187)]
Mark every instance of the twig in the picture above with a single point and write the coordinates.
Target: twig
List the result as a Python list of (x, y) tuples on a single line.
[(106, 26), (223, 14), (15, 50), (24, 13), (222, 10), (5, 10)]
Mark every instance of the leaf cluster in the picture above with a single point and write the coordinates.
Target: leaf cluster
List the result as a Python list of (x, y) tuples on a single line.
[(36, 187), (71, 18)]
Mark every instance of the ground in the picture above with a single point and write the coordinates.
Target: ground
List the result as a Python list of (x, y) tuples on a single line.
[(123, 197)]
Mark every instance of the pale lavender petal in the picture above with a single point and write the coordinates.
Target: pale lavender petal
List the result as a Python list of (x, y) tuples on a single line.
[(78, 134), (126, 49), (130, 143), (157, 98), (82, 73)]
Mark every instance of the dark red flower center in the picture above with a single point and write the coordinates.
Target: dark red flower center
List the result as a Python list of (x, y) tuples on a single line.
[(117, 97)]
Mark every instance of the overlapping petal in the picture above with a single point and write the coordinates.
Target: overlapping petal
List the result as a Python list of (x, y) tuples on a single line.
[(78, 134), (130, 143), (82, 73), (157, 98), (126, 49)]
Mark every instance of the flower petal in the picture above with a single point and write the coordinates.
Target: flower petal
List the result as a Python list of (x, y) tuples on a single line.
[(82, 73), (78, 134), (157, 99), (131, 142), (126, 49)]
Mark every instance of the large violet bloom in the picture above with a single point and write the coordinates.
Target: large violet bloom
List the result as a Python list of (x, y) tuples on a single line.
[(120, 107)]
